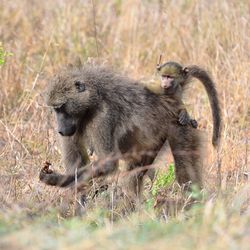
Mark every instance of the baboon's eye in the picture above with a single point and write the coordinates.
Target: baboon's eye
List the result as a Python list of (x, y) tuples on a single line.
[(167, 76), (80, 86)]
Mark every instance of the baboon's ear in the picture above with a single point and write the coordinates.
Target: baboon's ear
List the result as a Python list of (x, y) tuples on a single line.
[(185, 70)]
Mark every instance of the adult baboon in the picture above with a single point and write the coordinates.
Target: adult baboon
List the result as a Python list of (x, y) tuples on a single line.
[(173, 80), (97, 108)]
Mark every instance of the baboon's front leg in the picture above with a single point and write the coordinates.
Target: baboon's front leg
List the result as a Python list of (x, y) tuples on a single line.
[(74, 156), (83, 175)]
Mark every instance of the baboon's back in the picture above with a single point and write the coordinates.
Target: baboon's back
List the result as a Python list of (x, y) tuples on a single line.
[(130, 105)]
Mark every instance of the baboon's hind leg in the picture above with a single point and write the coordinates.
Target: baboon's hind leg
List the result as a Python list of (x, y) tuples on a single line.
[(135, 179), (185, 143)]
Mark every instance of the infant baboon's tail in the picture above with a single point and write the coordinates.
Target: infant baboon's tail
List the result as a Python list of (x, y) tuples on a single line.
[(206, 80)]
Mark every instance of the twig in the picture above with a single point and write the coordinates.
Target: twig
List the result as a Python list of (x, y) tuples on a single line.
[(218, 161), (15, 138), (246, 168), (159, 60), (75, 193), (95, 30), (42, 63)]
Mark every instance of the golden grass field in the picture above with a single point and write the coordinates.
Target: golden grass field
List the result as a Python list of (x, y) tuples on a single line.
[(129, 35)]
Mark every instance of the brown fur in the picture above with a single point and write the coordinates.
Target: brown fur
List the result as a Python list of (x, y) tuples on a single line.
[(97, 108), (181, 78)]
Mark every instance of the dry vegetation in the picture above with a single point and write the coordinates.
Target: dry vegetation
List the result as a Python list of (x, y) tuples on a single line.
[(130, 35)]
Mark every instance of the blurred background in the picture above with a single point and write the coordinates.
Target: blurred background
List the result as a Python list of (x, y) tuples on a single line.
[(38, 37)]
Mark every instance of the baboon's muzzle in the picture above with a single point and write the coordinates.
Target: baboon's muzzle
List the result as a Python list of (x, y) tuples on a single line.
[(66, 124)]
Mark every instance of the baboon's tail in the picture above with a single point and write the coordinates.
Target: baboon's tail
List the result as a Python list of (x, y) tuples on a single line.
[(209, 85)]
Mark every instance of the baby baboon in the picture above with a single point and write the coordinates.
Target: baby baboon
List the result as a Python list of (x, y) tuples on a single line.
[(97, 108), (174, 79), (171, 85)]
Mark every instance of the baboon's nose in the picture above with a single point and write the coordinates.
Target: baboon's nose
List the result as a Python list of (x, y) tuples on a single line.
[(67, 131)]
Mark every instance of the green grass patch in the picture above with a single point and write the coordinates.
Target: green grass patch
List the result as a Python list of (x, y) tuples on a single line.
[(3, 55), (163, 180)]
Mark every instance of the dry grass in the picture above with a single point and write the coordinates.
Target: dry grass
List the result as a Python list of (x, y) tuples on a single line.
[(130, 35)]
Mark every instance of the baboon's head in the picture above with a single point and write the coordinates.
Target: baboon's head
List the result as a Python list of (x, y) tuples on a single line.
[(172, 74), (71, 93)]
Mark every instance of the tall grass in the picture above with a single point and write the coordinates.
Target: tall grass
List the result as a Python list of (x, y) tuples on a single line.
[(130, 35)]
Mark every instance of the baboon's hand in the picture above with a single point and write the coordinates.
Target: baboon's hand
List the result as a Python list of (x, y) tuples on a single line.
[(194, 123), (45, 171), (184, 118)]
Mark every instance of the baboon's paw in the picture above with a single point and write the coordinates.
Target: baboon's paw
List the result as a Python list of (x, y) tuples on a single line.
[(46, 170), (183, 119), (194, 123)]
